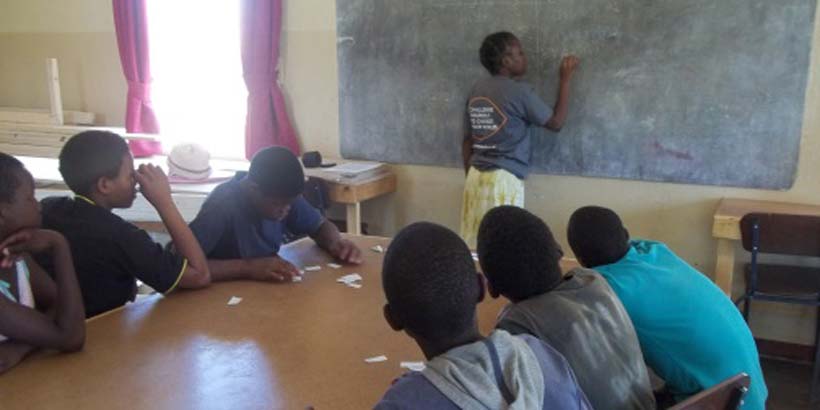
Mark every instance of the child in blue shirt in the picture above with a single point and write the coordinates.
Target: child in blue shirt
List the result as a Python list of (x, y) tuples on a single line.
[(432, 288), (500, 112), (691, 334), (242, 224)]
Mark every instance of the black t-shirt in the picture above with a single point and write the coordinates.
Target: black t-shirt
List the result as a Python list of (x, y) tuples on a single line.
[(110, 253)]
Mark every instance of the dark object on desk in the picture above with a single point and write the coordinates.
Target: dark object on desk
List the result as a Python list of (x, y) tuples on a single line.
[(725, 396), (316, 194), (313, 159), (779, 234)]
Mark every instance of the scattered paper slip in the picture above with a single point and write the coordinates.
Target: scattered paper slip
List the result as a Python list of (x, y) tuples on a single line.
[(377, 249), (234, 301), (414, 366), (351, 278), (296, 279), (312, 268), (475, 256), (334, 265), (354, 285), (376, 359)]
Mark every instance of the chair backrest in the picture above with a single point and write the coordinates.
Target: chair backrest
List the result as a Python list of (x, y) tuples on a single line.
[(316, 193), (725, 396), (782, 234)]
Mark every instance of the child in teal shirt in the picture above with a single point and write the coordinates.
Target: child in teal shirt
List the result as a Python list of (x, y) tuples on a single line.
[(691, 334)]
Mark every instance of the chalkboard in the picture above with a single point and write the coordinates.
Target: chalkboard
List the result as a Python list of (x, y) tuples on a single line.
[(692, 91)]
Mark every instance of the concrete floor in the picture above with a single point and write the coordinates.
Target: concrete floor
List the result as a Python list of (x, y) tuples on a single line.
[(788, 385)]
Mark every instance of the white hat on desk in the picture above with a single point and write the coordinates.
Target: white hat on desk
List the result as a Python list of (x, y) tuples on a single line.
[(189, 161)]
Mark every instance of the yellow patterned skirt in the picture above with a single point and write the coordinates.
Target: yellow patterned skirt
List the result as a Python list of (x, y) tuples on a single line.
[(484, 191)]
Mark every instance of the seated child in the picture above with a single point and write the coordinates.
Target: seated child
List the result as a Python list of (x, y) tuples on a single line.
[(691, 334), (432, 288), (577, 313), (110, 253), (34, 312), (242, 223)]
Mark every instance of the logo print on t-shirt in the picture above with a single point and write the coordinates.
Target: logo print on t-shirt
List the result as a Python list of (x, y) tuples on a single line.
[(486, 119)]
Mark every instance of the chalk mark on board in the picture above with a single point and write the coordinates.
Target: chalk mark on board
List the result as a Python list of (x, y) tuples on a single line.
[(670, 152)]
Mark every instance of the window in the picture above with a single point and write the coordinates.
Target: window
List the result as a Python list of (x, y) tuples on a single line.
[(198, 92)]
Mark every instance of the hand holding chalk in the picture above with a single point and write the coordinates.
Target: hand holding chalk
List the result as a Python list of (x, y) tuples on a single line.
[(568, 66)]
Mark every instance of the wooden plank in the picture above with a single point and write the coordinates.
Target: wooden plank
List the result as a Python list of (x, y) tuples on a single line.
[(55, 98), (725, 265), (354, 218), (35, 116), (364, 190)]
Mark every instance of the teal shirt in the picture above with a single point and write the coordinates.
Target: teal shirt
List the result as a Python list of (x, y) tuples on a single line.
[(691, 334)]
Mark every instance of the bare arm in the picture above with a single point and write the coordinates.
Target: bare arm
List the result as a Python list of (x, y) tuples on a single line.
[(329, 239), (156, 189), (66, 331), (270, 269), (559, 116)]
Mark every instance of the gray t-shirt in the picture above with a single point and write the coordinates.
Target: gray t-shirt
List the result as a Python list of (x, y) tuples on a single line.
[(499, 115), (561, 391), (585, 321)]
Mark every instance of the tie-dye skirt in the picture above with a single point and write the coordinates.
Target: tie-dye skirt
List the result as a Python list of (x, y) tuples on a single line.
[(485, 190)]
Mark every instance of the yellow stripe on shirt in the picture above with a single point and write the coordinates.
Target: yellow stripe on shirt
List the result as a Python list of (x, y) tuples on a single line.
[(181, 272)]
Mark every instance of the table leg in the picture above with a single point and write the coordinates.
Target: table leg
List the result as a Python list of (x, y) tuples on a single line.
[(725, 266), (354, 218)]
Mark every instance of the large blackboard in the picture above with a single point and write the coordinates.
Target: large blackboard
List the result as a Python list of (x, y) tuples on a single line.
[(694, 91)]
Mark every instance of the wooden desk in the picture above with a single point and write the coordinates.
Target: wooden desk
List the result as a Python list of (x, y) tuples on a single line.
[(284, 346), (726, 229), (352, 194), (189, 197)]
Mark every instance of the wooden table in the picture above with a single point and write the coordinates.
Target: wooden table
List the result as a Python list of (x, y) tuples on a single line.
[(726, 229), (352, 195), (285, 346), (189, 197)]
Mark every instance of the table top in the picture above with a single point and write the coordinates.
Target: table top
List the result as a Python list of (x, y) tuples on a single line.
[(284, 346), (731, 210)]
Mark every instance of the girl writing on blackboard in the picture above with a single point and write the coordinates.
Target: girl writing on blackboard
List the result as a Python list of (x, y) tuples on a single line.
[(500, 111)]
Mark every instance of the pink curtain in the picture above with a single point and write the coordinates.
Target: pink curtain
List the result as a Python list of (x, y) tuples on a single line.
[(267, 122), (132, 40)]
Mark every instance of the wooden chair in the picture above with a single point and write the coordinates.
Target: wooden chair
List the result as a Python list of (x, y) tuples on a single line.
[(728, 395), (779, 234)]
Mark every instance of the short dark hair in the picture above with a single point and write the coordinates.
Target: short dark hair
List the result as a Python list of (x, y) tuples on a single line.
[(493, 49), (429, 279), (89, 156), (10, 170), (518, 254), (277, 172), (597, 236)]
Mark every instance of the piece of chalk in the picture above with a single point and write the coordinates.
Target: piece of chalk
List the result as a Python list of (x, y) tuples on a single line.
[(376, 359)]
